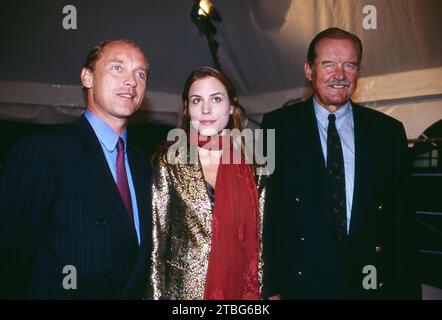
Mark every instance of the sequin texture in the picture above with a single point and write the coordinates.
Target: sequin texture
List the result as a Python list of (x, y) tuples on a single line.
[(182, 224)]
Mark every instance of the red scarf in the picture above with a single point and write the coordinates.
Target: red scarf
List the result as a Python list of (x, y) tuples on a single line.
[(233, 262), (212, 142)]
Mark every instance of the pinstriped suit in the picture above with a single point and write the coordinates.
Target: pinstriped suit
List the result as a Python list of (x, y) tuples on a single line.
[(60, 206)]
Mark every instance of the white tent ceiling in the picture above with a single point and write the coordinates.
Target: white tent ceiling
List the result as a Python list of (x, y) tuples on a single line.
[(262, 47)]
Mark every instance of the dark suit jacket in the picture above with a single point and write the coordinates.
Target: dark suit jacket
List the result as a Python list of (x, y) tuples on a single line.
[(60, 206), (303, 260)]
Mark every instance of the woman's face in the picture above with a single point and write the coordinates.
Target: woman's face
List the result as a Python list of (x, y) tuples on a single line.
[(209, 106)]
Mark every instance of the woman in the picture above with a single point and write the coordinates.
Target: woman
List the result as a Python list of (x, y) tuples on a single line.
[(207, 214)]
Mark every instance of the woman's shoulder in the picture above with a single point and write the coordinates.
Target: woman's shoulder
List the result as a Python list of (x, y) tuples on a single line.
[(170, 159), (262, 174), (159, 159)]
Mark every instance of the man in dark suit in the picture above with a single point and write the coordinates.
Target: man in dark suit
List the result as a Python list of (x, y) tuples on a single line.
[(74, 217), (338, 225)]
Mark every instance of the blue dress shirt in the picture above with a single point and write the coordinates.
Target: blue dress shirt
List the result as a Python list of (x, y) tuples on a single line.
[(345, 127), (109, 139)]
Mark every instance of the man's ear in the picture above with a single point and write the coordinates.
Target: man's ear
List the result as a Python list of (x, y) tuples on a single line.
[(87, 78), (308, 71)]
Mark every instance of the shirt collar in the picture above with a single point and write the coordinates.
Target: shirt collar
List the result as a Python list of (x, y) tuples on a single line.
[(107, 136), (341, 114)]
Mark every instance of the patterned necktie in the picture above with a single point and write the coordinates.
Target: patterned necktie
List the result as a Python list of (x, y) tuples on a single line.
[(122, 184), (336, 177)]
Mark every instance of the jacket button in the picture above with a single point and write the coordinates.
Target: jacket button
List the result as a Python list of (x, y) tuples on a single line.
[(378, 248), (297, 199), (380, 207), (300, 274), (302, 238), (381, 284), (101, 222)]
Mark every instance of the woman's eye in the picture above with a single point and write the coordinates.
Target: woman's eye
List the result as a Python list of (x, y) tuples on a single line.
[(117, 68), (217, 99), (196, 100)]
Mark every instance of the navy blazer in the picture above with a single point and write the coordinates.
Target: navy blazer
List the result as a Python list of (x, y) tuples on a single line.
[(60, 206), (302, 258)]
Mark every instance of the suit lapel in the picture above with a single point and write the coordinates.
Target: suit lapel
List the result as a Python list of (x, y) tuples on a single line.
[(98, 170), (365, 166), (140, 175), (305, 147), (318, 160), (306, 135), (141, 179), (316, 164)]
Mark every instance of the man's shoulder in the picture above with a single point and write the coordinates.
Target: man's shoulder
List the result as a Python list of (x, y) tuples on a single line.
[(376, 117), (48, 134), (51, 138), (287, 113)]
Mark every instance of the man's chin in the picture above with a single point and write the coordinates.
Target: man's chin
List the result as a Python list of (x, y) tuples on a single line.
[(337, 101), (127, 111)]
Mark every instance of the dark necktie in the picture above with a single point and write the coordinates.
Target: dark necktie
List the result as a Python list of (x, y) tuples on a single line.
[(336, 177), (122, 184)]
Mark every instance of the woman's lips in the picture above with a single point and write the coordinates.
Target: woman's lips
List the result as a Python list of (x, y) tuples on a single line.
[(207, 122)]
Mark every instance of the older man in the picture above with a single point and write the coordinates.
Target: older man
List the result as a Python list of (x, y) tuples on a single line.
[(339, 226), (74, 219)]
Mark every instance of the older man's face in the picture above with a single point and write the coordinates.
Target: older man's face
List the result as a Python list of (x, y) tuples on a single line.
[(334, 72)]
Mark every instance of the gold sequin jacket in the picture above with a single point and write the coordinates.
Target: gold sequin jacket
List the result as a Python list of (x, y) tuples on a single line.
[(182, 217)]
